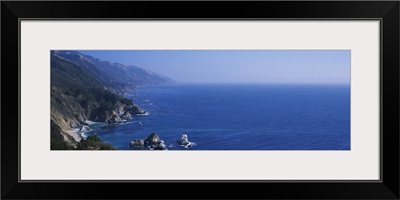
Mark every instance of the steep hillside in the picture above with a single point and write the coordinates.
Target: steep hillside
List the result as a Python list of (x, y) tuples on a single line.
[(85, 89), (115, 76)]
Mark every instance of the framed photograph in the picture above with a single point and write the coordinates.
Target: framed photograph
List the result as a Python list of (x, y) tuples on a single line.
[(205, 96)]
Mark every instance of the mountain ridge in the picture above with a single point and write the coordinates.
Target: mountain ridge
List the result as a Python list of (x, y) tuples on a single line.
[(85, 88), (115, 75)]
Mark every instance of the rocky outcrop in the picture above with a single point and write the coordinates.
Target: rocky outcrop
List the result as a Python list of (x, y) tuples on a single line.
[(84, 128), (160, 146), (184, 141), (137, 144), (126, 115), (113, 118), (152, 142), (120, 114), (135, 109), (153, 139), (120, 108)]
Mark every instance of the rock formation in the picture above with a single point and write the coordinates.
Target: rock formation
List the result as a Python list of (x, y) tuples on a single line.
[(137, 144), (84, 128), (152, 142), (126, 115), (184, 141)]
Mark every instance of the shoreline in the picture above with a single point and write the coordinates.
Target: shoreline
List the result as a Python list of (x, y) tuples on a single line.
[(79, 135), (75, 134)]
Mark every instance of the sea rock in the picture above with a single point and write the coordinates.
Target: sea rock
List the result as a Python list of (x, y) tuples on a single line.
[(153, 139), (153, 142), (161, 146), (137, 144), (184, 140)]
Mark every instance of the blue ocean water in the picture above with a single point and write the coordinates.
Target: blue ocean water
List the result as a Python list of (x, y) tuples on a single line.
[(239, 117)]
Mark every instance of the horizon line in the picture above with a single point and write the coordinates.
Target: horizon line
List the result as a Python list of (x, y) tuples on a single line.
[(272, 83)]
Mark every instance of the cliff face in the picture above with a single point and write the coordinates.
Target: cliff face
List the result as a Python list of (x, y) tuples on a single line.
[(86, 88)]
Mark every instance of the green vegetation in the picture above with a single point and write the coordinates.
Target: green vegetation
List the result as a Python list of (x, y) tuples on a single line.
[(60, 145), (69, 79), (70, 82), (77, 95), (90, 143), (94, 143)]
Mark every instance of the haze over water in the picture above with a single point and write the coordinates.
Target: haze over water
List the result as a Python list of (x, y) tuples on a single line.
[(240, 100)]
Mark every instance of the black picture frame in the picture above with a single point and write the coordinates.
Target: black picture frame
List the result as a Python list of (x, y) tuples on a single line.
[(386, 11)]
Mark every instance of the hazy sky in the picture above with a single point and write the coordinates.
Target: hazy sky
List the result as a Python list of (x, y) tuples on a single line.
[(238, 66)]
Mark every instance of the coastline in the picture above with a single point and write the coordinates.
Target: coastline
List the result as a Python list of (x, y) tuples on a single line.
[(75, 134)]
